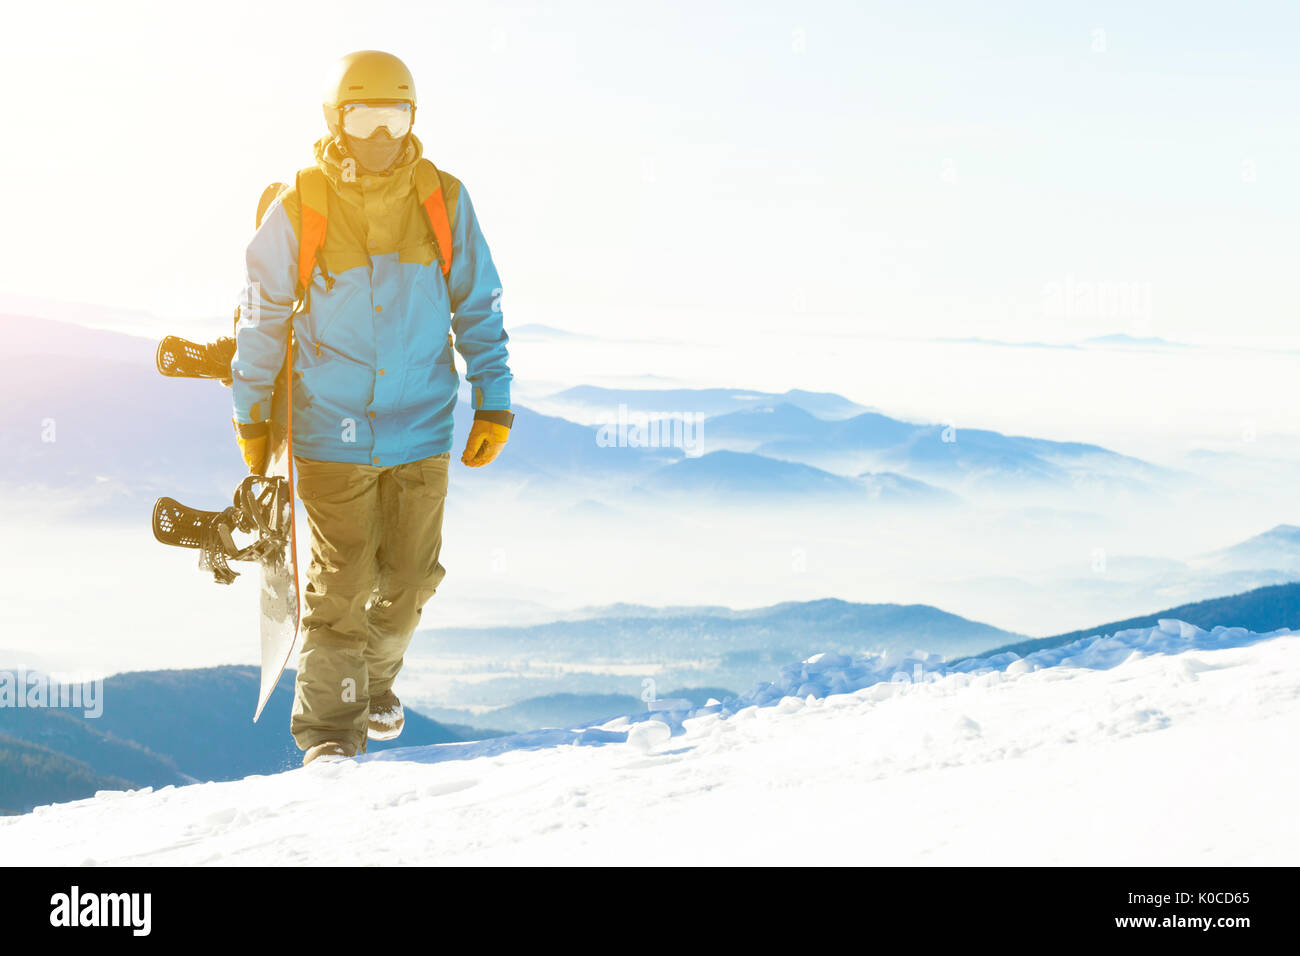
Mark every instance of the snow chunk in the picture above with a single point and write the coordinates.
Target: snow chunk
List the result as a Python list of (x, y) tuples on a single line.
[(649, 734), (1187, 632), (789, 705)]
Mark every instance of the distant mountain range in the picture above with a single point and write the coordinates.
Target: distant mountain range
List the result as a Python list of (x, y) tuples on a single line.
[(161, 728), (1278, 549), (786, 630), (84, 414), (734, 477), (593, 403), (575, 710), (956, 458), (114, 432), (1261, 610), (32, 776), (597, 654), (544, 447), (24, 335)]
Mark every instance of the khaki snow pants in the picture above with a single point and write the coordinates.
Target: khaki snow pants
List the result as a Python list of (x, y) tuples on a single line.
[(375, 537)]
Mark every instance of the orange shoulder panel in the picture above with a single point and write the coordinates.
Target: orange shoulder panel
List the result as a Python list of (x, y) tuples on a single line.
[(313, 192)]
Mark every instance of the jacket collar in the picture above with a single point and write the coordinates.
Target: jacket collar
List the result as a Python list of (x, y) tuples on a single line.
[(351, 183)]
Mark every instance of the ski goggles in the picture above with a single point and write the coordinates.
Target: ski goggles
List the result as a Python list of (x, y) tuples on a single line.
[(361, 120)]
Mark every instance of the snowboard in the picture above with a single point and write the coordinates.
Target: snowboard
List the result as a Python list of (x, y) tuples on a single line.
[(260, 525)]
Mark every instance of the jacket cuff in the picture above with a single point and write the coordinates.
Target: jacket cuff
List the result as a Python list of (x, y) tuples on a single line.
[(494, 397), (495, 416), (251, 414)]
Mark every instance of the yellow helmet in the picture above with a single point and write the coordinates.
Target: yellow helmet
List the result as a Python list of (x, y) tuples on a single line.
[(366, 75)]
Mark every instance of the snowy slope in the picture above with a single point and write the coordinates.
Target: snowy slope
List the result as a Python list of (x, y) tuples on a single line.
[(1168, 745)]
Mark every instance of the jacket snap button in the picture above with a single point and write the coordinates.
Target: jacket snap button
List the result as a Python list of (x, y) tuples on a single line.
[(379, 308)]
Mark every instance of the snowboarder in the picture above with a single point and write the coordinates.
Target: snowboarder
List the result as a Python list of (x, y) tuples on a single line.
[(396, 273)]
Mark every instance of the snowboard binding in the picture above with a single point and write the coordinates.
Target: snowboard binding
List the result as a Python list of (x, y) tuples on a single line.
[(181, 358), (263, 506)]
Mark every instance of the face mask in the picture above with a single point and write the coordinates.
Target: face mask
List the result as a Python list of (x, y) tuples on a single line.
[(376, 154)]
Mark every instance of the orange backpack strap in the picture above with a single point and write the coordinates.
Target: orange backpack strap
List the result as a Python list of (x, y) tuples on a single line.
[(438, 193), (313, 194)]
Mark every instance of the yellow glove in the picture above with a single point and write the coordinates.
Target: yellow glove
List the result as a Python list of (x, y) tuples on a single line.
[(252, 441), (486, 439)]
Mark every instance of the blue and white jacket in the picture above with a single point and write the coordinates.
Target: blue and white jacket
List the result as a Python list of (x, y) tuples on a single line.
[(374, 377)]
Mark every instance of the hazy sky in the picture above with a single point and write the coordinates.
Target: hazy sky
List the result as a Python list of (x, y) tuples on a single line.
[(1010, 170)]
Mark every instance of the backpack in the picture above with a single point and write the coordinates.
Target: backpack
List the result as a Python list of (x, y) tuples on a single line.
[(313, 191)]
